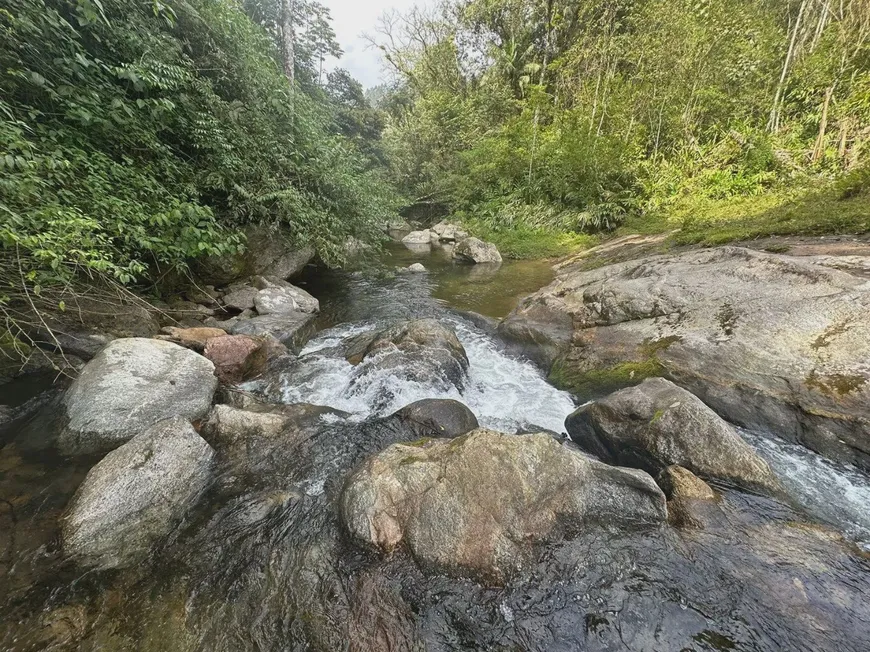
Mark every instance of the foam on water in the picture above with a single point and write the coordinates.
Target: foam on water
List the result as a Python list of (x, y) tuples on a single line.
[(838, 495), (504, 392)]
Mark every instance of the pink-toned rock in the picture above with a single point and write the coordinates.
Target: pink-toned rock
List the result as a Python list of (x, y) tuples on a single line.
[(236, 357), (192, 338)]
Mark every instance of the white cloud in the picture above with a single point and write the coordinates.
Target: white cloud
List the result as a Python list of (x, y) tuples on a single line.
[(352, 18)]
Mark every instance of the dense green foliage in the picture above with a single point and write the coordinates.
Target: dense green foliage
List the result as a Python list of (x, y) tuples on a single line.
[(137, 135), (566, 115)]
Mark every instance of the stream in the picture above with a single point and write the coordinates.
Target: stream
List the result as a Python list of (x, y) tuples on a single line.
[(268, 567)]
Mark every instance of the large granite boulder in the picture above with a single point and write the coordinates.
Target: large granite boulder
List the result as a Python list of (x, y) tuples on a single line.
[(136, 495), (657, 424), (129, 386), (420, 350), (267, 251), (475, 503), (768, 341), (473, 250)]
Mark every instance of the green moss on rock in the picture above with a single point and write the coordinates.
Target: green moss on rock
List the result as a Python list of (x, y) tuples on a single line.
[(599, 382)]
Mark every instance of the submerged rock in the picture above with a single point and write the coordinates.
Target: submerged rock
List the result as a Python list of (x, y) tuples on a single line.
[(473, 250), (474, 504), (416, 267), (770, 342), (421, 350), (657, 424), (129, 386), (136, 495)]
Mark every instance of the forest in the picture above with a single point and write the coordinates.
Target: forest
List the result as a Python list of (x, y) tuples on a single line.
[(137, 136)]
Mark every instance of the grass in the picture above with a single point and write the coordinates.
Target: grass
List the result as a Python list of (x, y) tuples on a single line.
[(816, 211), (523, 243)]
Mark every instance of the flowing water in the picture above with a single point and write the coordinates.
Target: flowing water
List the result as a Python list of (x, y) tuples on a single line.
[(266, 566)]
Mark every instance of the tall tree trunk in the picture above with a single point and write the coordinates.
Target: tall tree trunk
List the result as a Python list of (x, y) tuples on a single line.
[(773, 123), (288, 45), (819, 149)]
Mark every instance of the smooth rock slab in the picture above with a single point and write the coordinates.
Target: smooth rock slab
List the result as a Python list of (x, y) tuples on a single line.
[(657, 424), (770, 342), (291, 329), (475, 503), (129, 386), (136, 495)]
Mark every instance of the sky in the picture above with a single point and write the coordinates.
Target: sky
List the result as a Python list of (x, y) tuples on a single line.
[(350, 19)]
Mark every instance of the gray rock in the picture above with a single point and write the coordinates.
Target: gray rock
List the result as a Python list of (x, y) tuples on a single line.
[(657, 424), (435, 417), (416, 267), (474, 504), (472, 250), (421, 350), (448, 232), (397, 225), (770, 342), (136, 495), (267, 252), (293, 329), (240, 297), (417, 238), (129, 386), (285, 300), (691, 501)]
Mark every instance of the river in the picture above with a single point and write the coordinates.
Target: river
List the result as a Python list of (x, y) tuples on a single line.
[(268, 567)]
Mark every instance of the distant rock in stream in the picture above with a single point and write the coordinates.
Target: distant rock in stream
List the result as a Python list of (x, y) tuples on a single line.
[(473, 250)]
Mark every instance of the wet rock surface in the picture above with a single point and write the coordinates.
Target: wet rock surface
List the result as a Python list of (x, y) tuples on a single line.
[(419, 350), (129, 386), (474, 504), (657, 424), (136, 495), (284, 300), (291, 329), (768, 341)]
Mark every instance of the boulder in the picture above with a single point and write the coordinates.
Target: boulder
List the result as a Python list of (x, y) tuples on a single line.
[(657, 424), (472, 250), (292, 329), (417, 268), (448, 232), (691, 501), (421, 350), (205, 295), (436, 417), (475, 503), (255, 446), (267, 251), (770, 342), (181, 310), (397, 225), (136, 495), (129, 386), (191, 338), (236, 358), (284, 300), (240, 297), (417, 238)]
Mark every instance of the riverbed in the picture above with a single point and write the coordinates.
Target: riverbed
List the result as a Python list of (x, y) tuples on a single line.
[(268, 568)]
